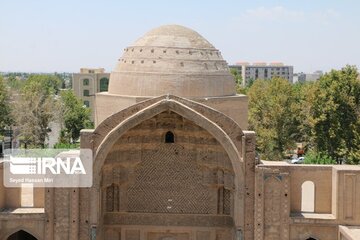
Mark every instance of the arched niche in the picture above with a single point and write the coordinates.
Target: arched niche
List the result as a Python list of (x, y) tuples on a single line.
[(308, 197)]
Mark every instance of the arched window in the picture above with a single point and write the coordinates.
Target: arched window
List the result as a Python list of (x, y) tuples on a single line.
[(86, 82), (86, 93), (311, 238), (104, 84), (169, 137), (308, 197)]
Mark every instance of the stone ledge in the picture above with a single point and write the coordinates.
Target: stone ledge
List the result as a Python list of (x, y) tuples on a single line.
[(312, 218), (156, 219), (22, 213), (351, 232)]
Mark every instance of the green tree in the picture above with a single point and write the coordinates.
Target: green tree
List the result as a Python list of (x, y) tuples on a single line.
[(5, 116), (240, 89), (313, 157), (47, 84), (238, 81), (237, 76), (14, 83), (303, 99), (272, 114), (335, 115), (75, 117), (36, 108)]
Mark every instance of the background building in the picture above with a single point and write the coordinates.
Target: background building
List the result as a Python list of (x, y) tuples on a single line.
[(88, 82), (250, 72), (308, 77)]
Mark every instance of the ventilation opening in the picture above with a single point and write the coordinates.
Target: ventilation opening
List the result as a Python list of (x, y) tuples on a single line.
[(169, 137)]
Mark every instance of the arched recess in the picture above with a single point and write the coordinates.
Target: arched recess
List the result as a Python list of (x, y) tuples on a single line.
[(186, 112), (150, 112), (86, 82), (21, 234), (308, 196), (231, 128)]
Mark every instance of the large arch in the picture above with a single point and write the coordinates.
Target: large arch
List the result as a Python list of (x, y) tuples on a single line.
[(199, 119), (20, 230), (231, 128), (151, 111)]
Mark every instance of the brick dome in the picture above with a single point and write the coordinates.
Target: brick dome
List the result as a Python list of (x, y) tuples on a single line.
[(175, 60)]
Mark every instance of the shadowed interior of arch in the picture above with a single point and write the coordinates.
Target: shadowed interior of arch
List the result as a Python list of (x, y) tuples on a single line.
[(21, 235)]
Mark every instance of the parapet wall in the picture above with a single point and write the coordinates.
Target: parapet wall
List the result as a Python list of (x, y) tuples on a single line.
[(305, 201)]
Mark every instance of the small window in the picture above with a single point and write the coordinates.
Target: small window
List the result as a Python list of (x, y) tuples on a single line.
[(86, 93), (169, 137), (104, 84), (87, 104), (86, 82), (239, 234)]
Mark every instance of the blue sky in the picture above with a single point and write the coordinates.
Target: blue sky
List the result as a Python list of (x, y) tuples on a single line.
[(64, 35)]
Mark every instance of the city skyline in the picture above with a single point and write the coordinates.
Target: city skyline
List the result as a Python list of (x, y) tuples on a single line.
[(65, 36)]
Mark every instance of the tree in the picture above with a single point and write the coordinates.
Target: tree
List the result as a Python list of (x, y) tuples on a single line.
[(303, 93), (272, 114), (14, 83), (75, 117), (5, 117), (36, 108), (47, 84), (335, 115), (238, 81), (237, 76), (312, 157)]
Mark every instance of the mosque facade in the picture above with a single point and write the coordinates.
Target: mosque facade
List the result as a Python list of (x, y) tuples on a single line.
[(173, 161)]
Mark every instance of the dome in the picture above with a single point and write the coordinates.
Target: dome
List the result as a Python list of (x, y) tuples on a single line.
[(174, 36), (175, 60)]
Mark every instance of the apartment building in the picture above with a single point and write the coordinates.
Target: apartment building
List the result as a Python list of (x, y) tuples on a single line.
[(87, 83), (260, 70)]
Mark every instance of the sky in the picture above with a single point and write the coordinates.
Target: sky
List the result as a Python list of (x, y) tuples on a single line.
[(65, 35)]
